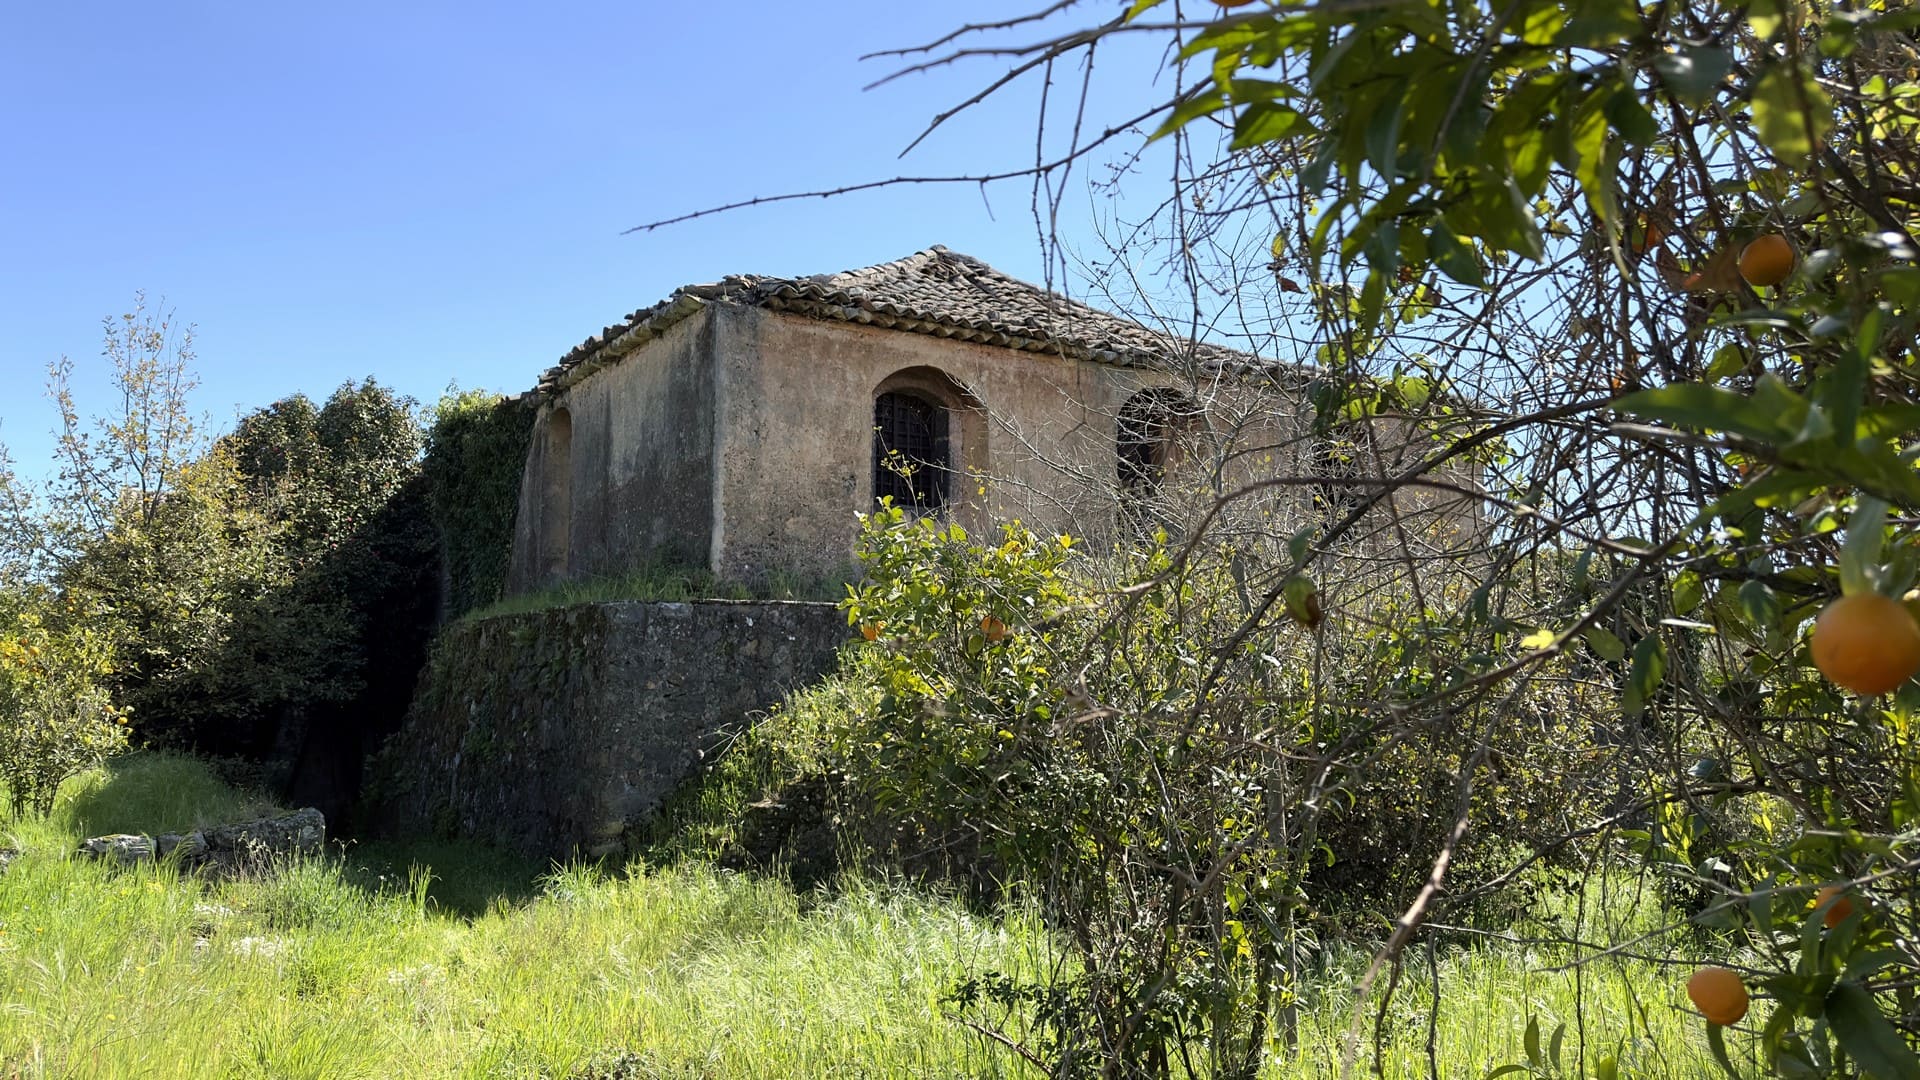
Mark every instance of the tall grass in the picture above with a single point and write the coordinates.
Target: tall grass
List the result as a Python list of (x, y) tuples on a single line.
[(672, 583), (349, 966), (325, 970)]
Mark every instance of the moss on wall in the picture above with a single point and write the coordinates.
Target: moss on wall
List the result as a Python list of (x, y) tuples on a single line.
[(557, 732)]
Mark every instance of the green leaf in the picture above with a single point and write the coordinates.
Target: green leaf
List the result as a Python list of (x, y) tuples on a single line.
[(1602, 24), (1791, 112), (1840, 389), (1643, 677), (1455, 259), (1700, 407), (1606, 644), (1542, 24), (1765, 17), (1686, 592), (1862, 964), (1728, 359), (1532, 1040), (1383, 130), (1229, 37), (1902, 285), (1495, 210), (1248, 91), (1266, 122), (1594, 165), (1695, 72), (1630, 118), (1866, 539), (1717, 1042), (1203, 104), (1865, 1034), (1759, 605), (1773, 397)]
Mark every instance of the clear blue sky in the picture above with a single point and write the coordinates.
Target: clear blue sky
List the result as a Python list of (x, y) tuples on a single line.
[(431, 192)]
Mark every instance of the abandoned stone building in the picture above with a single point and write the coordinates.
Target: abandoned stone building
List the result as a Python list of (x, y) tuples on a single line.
[(741, 425)]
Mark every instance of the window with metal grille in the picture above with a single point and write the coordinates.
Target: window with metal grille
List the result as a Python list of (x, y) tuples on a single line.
[(1339, 458), (1146, 426), (911, 461), (1143, 451)]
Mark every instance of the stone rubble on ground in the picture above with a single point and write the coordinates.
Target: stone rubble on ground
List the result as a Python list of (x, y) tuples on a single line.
[(123, 848), (303, 832)]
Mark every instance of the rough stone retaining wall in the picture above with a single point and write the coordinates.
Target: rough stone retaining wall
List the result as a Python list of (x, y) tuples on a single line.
[(554, 733)]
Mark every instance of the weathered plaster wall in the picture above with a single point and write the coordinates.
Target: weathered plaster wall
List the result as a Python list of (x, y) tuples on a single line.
[(742, 440), (640, 469), (795, 415), (555, 732)]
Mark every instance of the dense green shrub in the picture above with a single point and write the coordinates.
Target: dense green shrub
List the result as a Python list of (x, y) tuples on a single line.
[(283, 577), (169, 584), (56, 717), (1193, 812)]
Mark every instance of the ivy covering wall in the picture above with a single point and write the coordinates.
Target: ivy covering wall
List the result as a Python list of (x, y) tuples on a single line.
[(476, 449)]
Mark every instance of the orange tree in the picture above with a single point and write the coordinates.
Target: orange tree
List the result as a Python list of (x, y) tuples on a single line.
[(1072, 725), (1668, 249)]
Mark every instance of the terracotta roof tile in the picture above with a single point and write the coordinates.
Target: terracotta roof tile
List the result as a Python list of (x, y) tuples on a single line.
[(935, 291)]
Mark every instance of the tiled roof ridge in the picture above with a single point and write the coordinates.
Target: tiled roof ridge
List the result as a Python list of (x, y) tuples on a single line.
[(934, 291)]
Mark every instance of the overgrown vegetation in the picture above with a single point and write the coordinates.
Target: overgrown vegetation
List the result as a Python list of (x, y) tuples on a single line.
[(475, 455), (266, 594), (56, 717), (1638, 282), (352, 965), (1652, 274), (1029, 719)]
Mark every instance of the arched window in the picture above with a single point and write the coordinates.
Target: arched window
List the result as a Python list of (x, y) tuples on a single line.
[(556, 495), (912, 456), (1144, 443)]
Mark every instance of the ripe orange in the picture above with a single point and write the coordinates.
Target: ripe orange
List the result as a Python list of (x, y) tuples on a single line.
[(870, 630), (993, 629), (1838, 911), (1766, 261), (1867, 643), (1719, 995)]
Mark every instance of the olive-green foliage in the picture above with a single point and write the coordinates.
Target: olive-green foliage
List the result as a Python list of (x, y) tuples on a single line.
[(284, 571), (20, 543), (344, 481), (475, 454), (56, 717), (169, 583), (1193, 816)]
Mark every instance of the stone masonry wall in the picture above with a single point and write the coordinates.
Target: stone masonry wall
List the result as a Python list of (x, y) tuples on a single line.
[(553, 733)]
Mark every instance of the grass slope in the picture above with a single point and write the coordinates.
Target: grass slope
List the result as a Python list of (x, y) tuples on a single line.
[(341, 967)]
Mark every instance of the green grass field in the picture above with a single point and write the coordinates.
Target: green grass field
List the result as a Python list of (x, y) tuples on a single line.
[(360, 965)]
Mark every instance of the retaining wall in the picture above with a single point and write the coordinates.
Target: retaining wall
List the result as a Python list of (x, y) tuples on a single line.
[(556, 732)]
